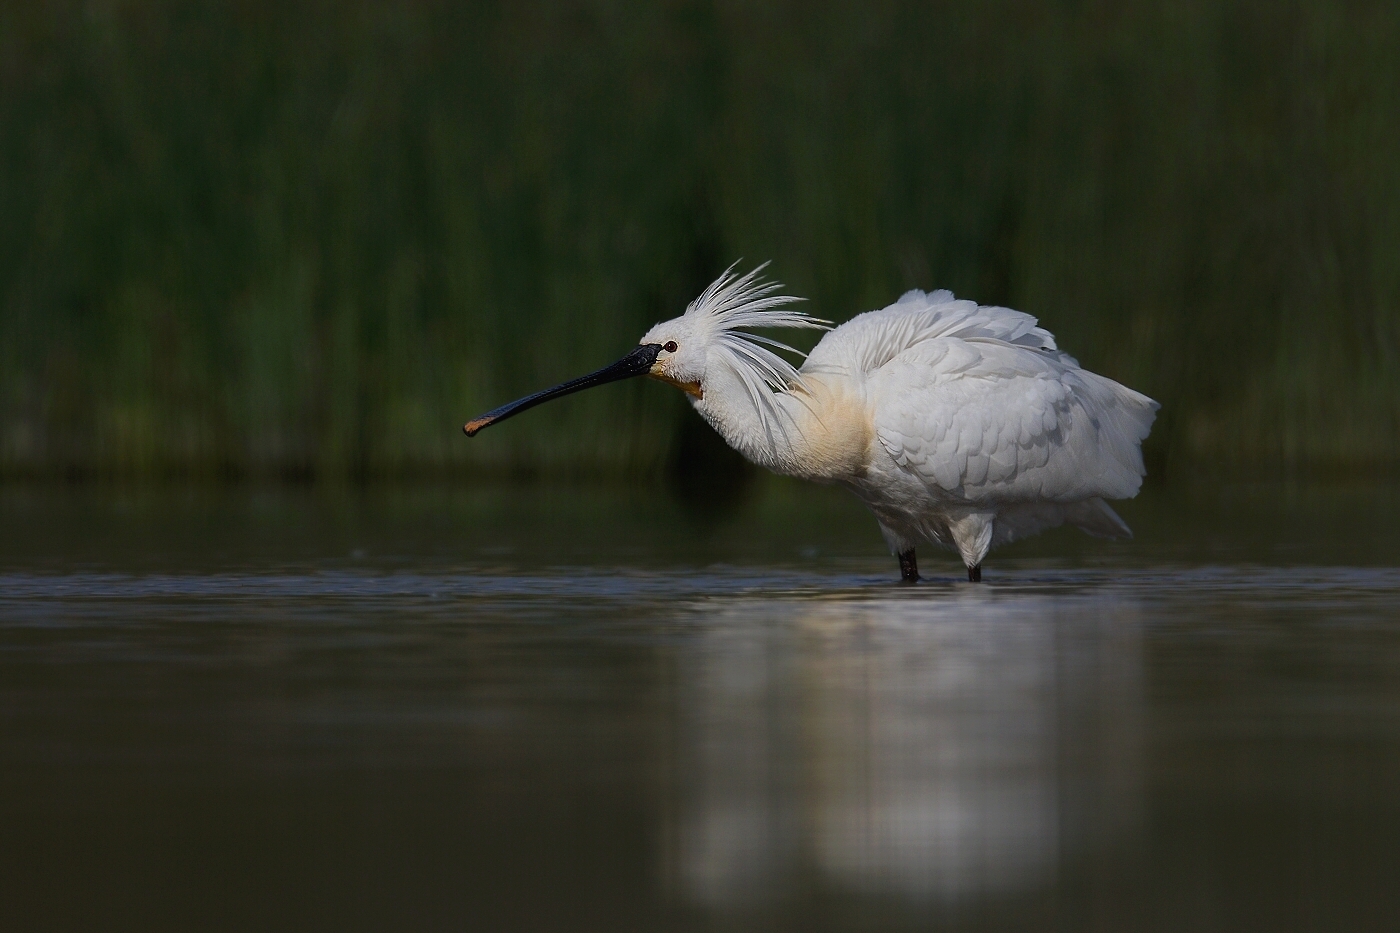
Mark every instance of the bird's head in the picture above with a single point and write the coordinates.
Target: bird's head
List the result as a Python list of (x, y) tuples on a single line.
[(682, 355), (685, 350)]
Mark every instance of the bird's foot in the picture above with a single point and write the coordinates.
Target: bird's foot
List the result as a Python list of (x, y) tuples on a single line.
[(908, 567), (974, 574)]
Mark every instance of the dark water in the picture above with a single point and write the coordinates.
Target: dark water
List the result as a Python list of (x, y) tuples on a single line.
[(576, 709)]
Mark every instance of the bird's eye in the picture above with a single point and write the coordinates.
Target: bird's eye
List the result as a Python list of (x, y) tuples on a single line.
[(670, 346)]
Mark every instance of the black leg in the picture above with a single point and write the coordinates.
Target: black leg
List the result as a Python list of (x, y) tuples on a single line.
[(908, 568), (974, 574)]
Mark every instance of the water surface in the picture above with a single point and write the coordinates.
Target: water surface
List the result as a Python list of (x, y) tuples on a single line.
[(592, 709)]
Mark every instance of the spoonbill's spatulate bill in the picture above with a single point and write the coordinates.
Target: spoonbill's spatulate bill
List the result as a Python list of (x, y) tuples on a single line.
[(955, 423)]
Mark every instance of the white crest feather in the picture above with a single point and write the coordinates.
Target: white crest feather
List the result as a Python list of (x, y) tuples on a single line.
[(735, 301)]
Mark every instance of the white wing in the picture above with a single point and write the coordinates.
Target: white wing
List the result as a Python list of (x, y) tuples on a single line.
[(979, 404), (868, 341)]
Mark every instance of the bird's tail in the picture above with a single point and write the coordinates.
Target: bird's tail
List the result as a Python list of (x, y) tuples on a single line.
[(1096, 517)]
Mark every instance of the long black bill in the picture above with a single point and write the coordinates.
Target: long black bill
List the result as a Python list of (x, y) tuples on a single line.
[(636, 363)]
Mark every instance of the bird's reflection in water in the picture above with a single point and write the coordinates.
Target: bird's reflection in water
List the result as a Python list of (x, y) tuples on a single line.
[(940, 748)]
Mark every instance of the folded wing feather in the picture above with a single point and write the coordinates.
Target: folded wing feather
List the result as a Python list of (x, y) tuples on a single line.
[(980, 404)]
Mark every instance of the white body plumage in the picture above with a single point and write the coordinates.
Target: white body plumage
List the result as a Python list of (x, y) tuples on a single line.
[(955, 423)]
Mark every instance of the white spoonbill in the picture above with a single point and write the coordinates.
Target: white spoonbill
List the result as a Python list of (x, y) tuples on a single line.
[(958, 424)]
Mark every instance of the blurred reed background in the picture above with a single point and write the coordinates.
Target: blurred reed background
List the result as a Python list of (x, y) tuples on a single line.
[(309, 239)]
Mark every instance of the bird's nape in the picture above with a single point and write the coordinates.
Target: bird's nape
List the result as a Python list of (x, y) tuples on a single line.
[(636, 363)]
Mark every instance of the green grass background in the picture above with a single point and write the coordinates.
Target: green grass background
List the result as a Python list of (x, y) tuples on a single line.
[(310, 239)]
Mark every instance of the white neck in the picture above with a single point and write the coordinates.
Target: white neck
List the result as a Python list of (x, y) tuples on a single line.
[(731, 410), (822, 433)]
